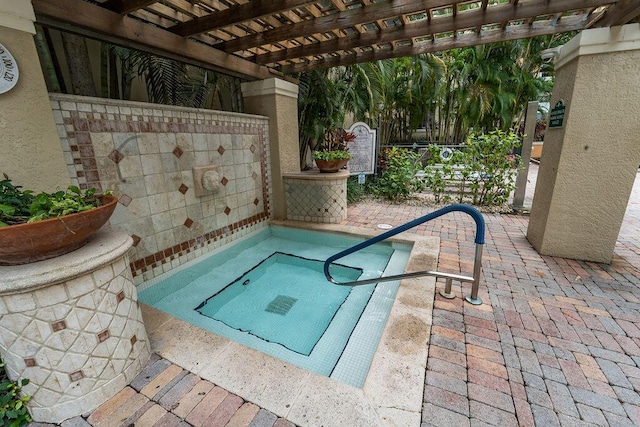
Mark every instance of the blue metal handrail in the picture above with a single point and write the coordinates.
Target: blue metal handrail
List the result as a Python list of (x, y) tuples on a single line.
[(477, 266)]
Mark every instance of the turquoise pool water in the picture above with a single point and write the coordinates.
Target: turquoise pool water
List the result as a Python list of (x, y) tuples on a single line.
[(267, 291)]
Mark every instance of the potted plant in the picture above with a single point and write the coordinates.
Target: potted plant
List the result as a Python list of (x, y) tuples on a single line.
[(333, 153), (35, 227)]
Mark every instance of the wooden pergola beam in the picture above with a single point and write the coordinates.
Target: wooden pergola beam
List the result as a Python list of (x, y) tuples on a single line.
[(126, 6), (343, 19), (93, 21), (468, 19), (622, 13), (236, 14), (465, 40)]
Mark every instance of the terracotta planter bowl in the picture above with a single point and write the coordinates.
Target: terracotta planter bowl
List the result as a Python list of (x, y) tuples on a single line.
[(331, 166), (37, 241)]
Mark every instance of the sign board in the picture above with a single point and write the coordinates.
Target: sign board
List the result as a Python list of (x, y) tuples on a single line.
[(8, 70), (556, 116), (362, 149)]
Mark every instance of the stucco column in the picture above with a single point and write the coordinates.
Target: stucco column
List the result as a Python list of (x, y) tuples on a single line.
[(31, 151), (589, 164), (278, 100)]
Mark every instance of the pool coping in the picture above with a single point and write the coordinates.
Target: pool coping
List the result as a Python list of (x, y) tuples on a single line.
[(393, 390)]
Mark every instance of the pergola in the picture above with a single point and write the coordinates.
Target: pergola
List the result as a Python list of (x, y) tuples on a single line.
[(258, 39)]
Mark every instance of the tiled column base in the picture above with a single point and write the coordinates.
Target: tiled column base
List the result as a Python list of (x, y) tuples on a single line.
[(72, 326), (316, 197)]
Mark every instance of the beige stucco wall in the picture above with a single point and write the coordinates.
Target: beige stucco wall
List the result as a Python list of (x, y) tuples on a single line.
[(278, 100), (31, 151), (589, 165)]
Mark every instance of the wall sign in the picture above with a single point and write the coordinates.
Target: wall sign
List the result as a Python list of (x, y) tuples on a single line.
[(362, 149), (556, 116), (8, 70)]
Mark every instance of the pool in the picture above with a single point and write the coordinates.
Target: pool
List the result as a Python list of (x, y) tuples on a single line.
[(267, 291)]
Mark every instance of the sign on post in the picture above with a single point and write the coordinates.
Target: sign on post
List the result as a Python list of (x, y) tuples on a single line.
[(362, 149), (556, 116)]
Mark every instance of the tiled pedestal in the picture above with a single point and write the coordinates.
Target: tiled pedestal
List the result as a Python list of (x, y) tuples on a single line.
[(72, 326), (316, 197)]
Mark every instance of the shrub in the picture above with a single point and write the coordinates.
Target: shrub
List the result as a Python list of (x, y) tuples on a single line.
[(355, 191), (13, 409), (485, 172), (398, 181)]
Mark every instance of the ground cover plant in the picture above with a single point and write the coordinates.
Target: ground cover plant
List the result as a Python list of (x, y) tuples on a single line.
[(13, 409)]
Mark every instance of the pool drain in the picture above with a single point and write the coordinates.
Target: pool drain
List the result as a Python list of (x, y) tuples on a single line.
[(281, 305)]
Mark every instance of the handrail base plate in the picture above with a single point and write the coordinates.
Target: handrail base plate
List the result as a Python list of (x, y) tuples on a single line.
[(474, 301)]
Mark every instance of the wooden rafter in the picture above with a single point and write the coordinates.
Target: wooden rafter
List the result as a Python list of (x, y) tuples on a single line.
[(343, 19), (93, 21), (465, 40), (126, 6), (622, 13), (254, 39), (233, 15), (468, 19)]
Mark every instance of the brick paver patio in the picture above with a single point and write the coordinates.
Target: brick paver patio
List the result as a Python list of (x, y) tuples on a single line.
[(556, 342)]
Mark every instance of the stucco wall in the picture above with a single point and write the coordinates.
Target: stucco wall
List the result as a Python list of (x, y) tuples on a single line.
[(589, 165), (145, 154), (31, 153), (278, 100)]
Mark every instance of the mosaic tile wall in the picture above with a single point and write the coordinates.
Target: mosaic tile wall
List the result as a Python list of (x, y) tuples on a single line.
[(320, 198), (79, 342), (145, 153)]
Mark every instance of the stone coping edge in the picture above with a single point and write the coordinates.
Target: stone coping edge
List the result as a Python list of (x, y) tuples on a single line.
[(316, 175), (104, 247), (394, 388)]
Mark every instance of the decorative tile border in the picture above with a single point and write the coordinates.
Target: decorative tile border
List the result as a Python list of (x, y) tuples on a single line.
[(145, 153)]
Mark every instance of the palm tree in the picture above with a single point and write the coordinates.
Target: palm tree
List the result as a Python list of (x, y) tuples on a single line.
[(321, 95), (395, 91)]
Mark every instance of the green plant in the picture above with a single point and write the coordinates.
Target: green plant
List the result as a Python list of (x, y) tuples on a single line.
[(18, 206), (484, 172), (355, 191), (398, 181), (13, 408), (334, 145), (14, 203)]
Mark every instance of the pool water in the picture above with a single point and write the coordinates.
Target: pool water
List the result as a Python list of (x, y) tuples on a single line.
[(268, 291), (281, 297)]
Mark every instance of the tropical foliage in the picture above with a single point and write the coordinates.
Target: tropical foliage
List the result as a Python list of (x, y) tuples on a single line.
[(320, 108), (334, 146), (397, 181), (483, 172), (166, 81), (18, 206), (448, 93)]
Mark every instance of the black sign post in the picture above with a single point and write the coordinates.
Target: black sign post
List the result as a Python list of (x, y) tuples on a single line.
[(556, 116)]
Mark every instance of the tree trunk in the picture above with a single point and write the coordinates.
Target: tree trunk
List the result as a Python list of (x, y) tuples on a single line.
[(75, 50), (47, 61)]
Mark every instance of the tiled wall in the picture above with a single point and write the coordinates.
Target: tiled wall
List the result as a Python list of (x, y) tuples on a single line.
[(144, 153), (316, 197), (79, 341)]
